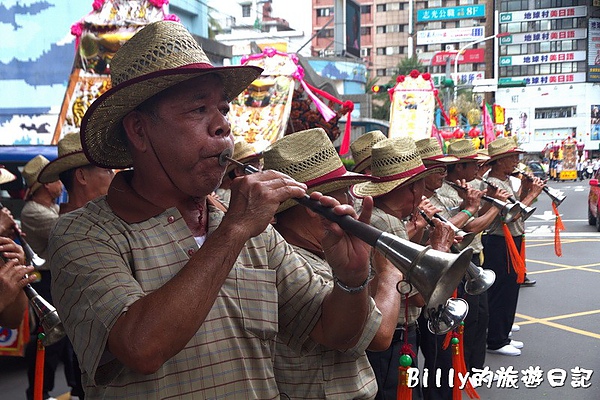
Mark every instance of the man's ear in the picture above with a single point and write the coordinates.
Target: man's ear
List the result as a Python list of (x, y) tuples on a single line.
[(134, 125), (80, 176)]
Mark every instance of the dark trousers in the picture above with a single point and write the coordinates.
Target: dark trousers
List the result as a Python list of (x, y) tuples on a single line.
[(504, 293), (436, 359), (385, 364), (476, 324)]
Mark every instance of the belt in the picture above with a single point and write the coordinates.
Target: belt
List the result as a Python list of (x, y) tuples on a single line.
[(411, 327)]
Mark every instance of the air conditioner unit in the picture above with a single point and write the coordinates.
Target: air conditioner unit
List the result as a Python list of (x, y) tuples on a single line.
[(450, 47), (329, 53)]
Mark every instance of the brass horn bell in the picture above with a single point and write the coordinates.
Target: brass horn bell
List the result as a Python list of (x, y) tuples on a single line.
[(433, 273), (46, 313)]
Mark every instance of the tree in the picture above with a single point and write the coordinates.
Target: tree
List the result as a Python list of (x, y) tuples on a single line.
[(214, 28), (381, 101)]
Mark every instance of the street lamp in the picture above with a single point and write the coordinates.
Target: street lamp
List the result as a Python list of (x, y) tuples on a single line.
[(462, 49)]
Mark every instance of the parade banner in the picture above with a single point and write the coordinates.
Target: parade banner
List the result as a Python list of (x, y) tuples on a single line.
[(13, 341), (260, 113), (412, 106), (98, 36), (280, 101)]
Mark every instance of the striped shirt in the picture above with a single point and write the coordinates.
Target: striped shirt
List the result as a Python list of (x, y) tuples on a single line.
[(388, 223), (323, 373), (119, 248)]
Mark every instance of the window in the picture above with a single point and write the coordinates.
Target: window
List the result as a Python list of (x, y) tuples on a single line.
[(325, 33), (324, 12), (365, 31), (246, 8), (366, 9), (555, 112), (380, 72)]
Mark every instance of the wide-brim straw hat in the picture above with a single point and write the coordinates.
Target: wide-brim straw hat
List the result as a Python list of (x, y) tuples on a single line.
[(31, 171), (159, 56), (361, 149), (309, 157), (503, 147), (431, 152), (465, 151), (70, 155), (6, 176), (243, 152), (395, 162)]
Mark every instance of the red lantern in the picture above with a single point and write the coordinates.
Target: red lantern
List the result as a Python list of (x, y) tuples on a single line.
[(459, 133), (474, 132), (447, 134)]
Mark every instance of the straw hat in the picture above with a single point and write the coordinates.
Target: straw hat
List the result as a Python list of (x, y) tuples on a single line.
[(503, 147), (160, 55), (31, 171), (70, 155), (395, 162), (309, 157), (242, 152), (361, 149), (6, 176), (431, 152), (465, 151)]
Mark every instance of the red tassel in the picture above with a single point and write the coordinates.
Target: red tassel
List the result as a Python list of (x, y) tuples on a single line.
[(38, 385), (345, 146), (515, 258), (404, 392), (558, 226), (469, 389)]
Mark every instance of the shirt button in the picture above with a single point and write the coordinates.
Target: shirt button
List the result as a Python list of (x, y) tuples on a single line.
[(171, 219), (191, 252)]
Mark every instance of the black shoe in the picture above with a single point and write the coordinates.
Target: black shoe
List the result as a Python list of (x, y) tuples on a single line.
[(529, 282)]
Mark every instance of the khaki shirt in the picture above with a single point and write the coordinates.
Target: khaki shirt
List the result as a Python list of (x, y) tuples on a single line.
[(37, 221), (119, 248), (324, 373)]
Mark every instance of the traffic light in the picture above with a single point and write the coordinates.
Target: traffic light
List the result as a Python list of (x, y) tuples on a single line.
[(447, 83), (381, 88)]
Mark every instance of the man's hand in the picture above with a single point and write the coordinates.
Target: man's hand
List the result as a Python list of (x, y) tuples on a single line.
[(256, 197), (9, 250), (7, 223), (13, 278), (442, 236), (347, 255)]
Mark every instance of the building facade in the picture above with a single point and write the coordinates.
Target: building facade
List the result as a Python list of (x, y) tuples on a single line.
[(554, 47)]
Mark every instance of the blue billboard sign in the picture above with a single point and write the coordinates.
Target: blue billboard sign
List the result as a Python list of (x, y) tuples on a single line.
[(446, 13)]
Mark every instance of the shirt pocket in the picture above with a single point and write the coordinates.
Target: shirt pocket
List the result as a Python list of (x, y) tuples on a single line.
[(257, 294)]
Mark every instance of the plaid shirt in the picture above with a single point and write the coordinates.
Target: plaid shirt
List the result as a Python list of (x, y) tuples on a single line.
[(388, 223), (119, 248), (324, 373)]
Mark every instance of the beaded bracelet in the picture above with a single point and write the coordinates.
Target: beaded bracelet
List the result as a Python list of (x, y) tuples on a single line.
[(350, 289), (467, 212)]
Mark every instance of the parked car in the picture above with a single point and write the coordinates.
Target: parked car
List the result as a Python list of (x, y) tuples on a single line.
[(594, 201), (535, 168)]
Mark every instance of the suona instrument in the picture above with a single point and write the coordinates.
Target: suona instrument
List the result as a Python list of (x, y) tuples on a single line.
[(527, 210), (508, 211), (555, 195), (433, 273), (478, 279)]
